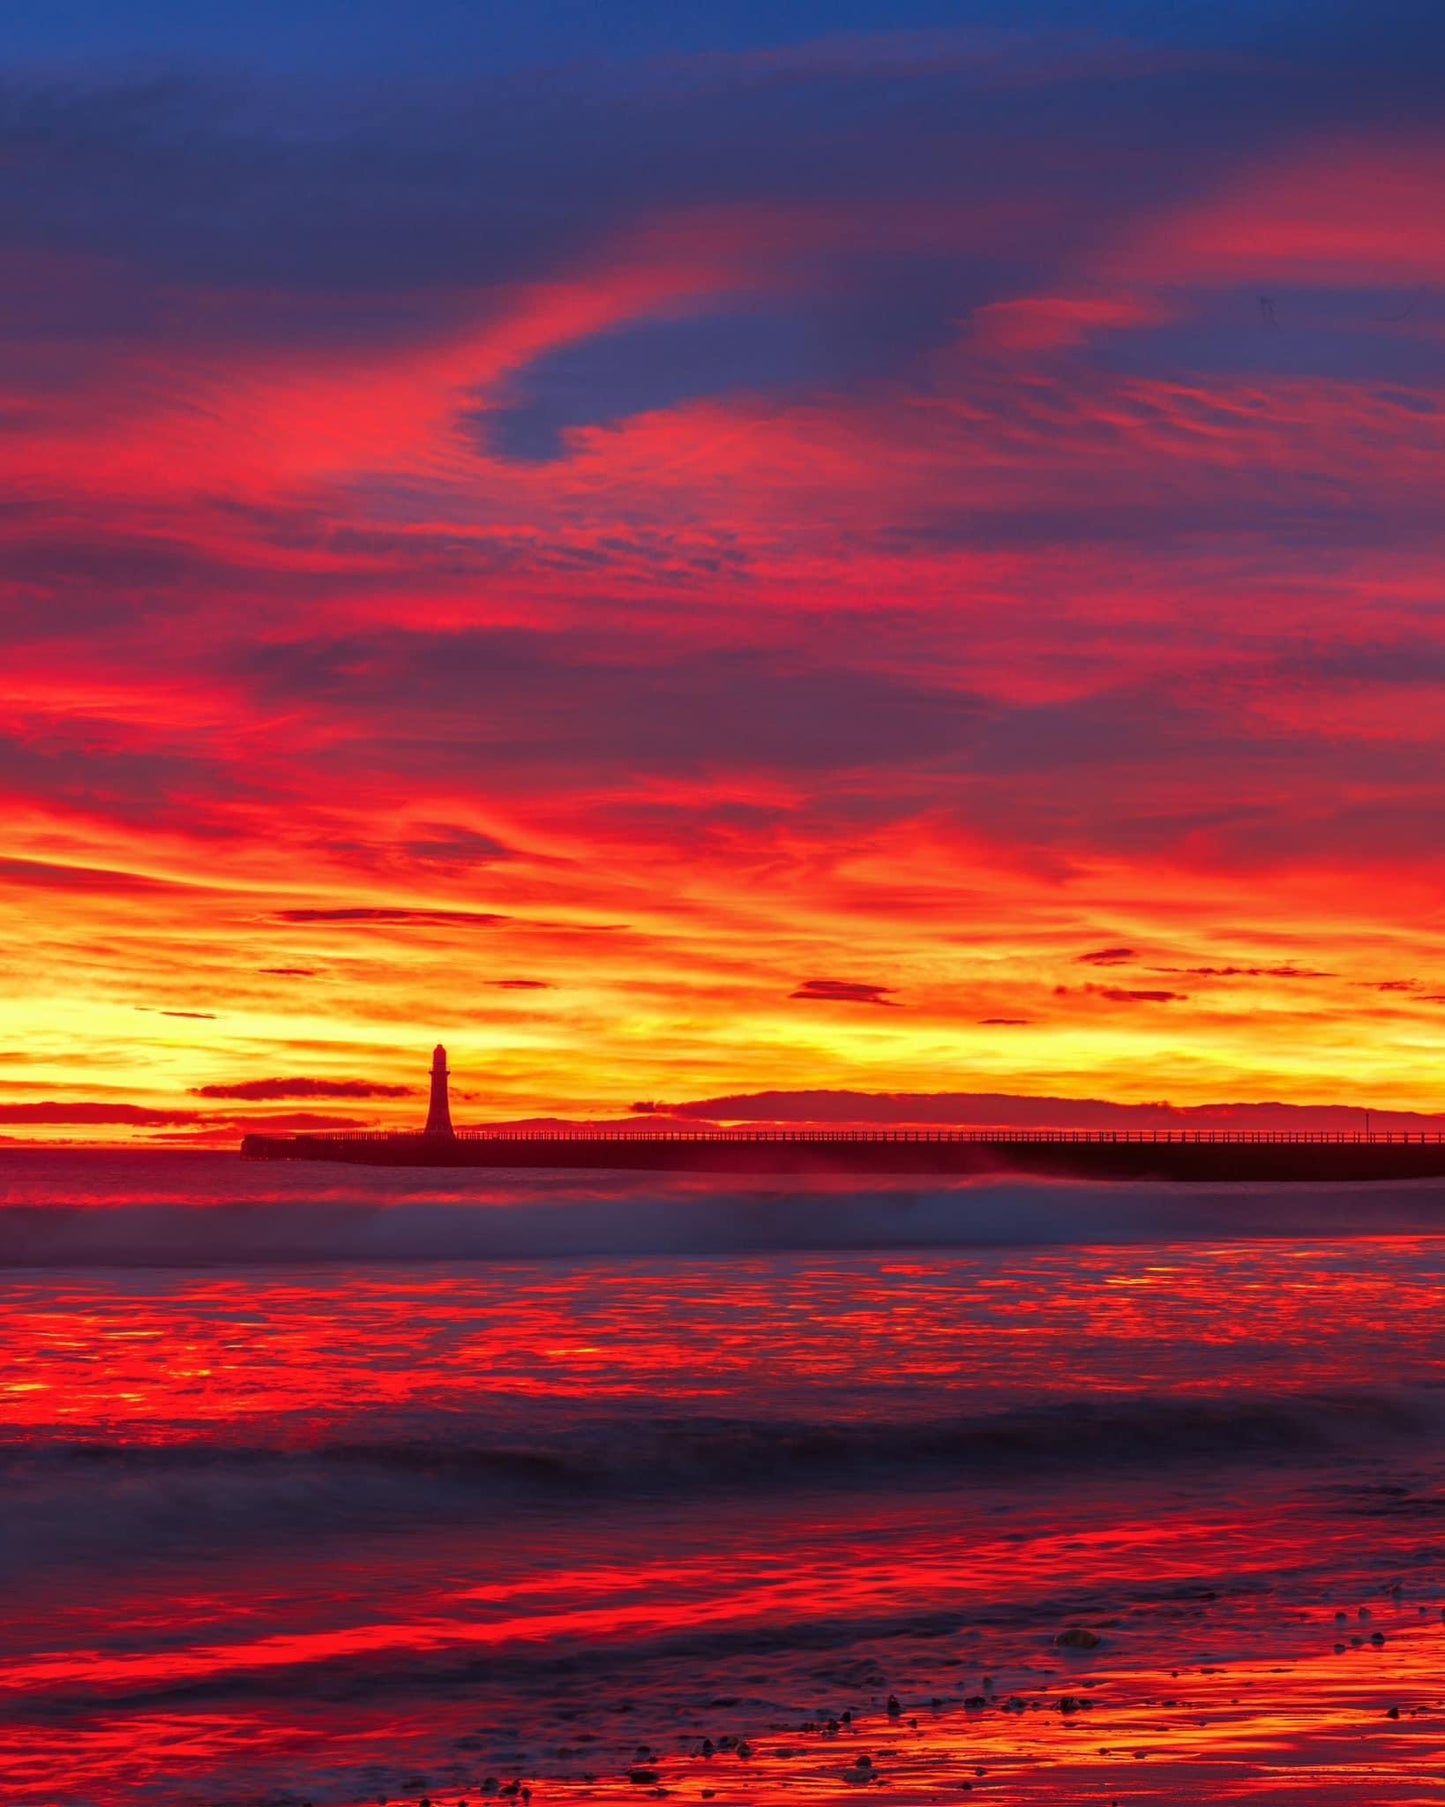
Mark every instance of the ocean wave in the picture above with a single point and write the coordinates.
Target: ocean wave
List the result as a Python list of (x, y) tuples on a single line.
[(687, 1454), (551, 1221), (93, 1492)]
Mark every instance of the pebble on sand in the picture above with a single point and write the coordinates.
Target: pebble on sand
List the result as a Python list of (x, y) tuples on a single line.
[(1077, 1637)]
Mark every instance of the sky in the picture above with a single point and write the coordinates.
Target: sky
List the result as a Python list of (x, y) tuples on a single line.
[(688, 551)]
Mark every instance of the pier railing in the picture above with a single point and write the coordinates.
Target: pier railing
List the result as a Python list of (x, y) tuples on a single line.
[(777, 1137)]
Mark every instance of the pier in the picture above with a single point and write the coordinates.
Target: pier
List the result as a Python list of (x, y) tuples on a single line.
[(1100, 1154), (1197, 1155)]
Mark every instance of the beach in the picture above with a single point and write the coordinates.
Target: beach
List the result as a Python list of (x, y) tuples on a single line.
[(1150, 1515)]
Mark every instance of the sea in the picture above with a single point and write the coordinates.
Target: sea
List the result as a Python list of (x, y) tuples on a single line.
[(336, 1486)]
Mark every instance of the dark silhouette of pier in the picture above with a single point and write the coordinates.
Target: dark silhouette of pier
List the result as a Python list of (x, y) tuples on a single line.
[(1200, 1155)]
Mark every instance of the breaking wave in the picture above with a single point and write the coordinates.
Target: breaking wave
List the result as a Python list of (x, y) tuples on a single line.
[(543, 1219), (82, 1497)]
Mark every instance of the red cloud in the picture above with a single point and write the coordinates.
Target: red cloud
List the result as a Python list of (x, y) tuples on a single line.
[(842, 991), (265, 1089)]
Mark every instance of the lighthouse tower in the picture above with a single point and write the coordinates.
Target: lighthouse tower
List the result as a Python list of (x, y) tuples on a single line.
[(439, 1116)]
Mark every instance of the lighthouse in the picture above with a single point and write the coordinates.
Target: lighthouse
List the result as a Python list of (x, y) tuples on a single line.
[(439, 1116)]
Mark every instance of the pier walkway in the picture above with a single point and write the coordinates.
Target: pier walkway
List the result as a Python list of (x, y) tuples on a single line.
[(1183, 1154)]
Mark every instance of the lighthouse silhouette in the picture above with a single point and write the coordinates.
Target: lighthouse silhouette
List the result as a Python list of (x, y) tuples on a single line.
[(439, 1116)]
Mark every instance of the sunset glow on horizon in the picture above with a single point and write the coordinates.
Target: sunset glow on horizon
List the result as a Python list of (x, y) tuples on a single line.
[(840, 558)]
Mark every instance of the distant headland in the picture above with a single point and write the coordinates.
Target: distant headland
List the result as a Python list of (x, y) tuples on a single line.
[(1206, 1155)]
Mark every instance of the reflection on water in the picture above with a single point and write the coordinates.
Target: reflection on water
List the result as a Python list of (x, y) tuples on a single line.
[(164, 1353)]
